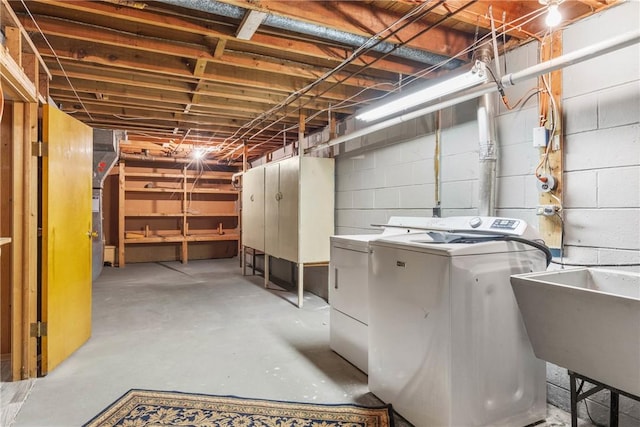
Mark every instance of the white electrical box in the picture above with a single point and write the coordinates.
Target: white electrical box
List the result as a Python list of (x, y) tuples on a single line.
[(540, 137)]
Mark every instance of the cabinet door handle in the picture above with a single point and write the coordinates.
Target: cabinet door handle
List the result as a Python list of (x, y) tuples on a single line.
[(251, 197), (335, 279), (278, 196)]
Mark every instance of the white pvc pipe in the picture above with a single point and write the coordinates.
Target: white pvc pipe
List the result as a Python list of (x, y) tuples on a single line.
[(574, 57)]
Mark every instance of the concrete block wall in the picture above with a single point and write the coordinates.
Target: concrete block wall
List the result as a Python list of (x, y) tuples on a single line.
[(387, 173), (377, 178)]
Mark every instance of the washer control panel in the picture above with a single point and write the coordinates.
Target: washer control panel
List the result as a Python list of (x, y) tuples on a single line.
[(504, 224)]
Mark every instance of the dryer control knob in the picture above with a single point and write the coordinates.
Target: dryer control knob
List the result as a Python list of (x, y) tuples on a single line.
[(475, 222)]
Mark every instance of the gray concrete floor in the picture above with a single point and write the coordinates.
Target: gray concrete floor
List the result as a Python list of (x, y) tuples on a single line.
[(201, 328)]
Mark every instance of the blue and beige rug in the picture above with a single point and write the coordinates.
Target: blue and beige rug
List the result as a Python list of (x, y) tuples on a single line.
[(138, 408)]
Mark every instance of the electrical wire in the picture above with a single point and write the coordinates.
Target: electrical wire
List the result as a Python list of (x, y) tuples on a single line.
[(572, 264), (371, 42), (55, 54), (589, 415), (515, 24)]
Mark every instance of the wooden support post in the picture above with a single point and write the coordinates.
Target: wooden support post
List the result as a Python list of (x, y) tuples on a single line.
[(333, 131), (121, 211), (301, 130), (184, 257), (551, 226)]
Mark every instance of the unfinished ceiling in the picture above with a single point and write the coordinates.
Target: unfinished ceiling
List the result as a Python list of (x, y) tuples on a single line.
[(180, 74)]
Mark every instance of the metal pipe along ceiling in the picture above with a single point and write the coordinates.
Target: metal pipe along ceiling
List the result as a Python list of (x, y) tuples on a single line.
[(349, 39)]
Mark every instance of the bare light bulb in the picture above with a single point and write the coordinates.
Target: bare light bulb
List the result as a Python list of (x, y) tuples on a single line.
[(198, 153), (553, 16)]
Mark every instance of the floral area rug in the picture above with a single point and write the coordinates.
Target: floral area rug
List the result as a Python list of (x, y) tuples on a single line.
[(139, 408)]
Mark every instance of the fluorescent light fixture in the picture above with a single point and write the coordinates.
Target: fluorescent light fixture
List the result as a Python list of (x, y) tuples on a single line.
[(250, 23), (469, 79)]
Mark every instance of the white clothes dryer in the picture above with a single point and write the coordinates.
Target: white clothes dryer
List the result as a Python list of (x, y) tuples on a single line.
[(349, 289)]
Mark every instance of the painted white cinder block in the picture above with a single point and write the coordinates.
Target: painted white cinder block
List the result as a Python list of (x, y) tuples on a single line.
[(580, 255), (517, 159), (364, 161), (418, 149), (461, 139), (609, 256), (349, 182), (460, 167), (385, 198), (418, 213), (603, 148), (389, 155), (344, 200), (363, 199), (345, 218), (446, 212), (376, 216), (608, 70), (508, 195), (516, 127), (397, 175), (619, 188), (417, 196), (580, 113), (605, 228), (343, 165), (457, 195), (372, 178), (422, 172), (619, 106), (580, 189)]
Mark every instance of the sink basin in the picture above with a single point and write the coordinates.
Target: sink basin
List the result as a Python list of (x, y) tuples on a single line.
[(586, 320)]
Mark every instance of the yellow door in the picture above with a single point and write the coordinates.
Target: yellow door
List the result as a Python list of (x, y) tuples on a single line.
[(66, 236)]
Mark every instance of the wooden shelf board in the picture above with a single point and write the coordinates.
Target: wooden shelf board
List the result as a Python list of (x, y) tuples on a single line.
[(212, 191), (153, 215), (155, 239), (153, 190), (189, 238), (226, 176), (153, 175), (211, 237), (212, 214)]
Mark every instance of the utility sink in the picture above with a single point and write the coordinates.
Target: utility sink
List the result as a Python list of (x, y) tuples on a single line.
[(586, 320)]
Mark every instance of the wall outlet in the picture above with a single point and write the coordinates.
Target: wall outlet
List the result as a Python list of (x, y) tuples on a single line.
[(547, 210), (540, 137)]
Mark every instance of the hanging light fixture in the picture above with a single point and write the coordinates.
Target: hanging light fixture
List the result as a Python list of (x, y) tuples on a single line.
[(554, 17)]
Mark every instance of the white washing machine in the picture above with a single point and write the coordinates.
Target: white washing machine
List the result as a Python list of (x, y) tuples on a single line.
[(349, 289), (447, 345)]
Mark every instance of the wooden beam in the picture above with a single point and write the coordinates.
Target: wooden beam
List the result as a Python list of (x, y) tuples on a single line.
[(121, 211), (551, 226), (219, 51), (276, 45)]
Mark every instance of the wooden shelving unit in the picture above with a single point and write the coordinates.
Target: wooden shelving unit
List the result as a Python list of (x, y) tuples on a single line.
[(168, 211)]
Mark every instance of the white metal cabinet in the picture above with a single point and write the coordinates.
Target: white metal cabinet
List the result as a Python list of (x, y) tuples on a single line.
[(253, 208), (299, 200), (281, 209), (298, 212)]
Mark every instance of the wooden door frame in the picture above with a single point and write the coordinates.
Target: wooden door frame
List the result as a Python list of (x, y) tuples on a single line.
[(24, 242)]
